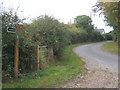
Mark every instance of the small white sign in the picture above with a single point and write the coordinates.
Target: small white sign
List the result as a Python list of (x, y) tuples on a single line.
[(11, 30)]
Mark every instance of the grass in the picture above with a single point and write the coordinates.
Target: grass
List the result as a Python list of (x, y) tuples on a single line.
[(0, 85), (64, 70), (111, 47)]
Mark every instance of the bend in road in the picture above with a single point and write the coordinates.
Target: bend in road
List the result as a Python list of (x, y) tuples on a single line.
[(94, 53), (102, 68)]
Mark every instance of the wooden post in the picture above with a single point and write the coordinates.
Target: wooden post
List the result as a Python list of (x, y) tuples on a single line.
[(16, 57), (52, 54), (38, 57), (37, 63)]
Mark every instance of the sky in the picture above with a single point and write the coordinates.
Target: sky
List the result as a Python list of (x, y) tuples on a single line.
[(63, 10)]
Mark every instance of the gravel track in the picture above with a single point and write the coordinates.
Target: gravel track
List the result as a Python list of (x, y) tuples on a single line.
[(102, 68)]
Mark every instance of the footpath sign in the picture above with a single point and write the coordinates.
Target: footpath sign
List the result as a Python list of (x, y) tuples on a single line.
[(16, 59), (11, 30)]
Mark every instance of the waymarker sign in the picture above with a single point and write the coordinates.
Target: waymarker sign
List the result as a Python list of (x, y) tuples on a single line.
[(11, 29)]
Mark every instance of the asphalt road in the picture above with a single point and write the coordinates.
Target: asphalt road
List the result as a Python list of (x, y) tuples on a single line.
[(93, 52)]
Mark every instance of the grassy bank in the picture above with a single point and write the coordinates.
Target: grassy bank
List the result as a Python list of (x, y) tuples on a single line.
[(111, 47), (64, 70)]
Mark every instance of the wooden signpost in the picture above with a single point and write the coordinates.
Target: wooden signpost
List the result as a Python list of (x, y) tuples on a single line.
[(16, 57), (16, 60)]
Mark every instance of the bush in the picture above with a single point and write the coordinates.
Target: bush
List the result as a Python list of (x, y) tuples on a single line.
[(96, 36), (82, 36), (51, 33), (108, 36), (26, 50), (78, 35)]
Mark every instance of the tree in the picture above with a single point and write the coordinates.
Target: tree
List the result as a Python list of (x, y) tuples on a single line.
[(111, 12), (84, 22)]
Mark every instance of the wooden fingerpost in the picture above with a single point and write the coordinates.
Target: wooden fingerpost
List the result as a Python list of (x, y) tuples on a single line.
[(16, 57), (37, 63)]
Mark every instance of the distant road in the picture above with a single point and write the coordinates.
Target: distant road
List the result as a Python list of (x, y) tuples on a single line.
[(94, 53)]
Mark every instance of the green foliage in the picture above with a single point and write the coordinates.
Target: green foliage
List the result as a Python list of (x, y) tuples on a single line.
[(84, 22), (43, 31), (110, 10), (88, 34), (8, 42), (50, 32), (96, 36), (82, 36), (10, 19), (108, 36), (77, 35), (48, 77)]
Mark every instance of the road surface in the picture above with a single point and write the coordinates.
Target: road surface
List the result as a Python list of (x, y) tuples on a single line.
[(102, 68), (94, 53)]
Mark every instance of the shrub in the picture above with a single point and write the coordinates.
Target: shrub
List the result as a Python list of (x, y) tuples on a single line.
[(96, 36), (108, 36), (50, 32), (26, 50)]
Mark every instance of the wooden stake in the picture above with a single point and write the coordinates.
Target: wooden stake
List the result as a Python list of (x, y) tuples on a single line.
[(38, 57), (16, 57), (52, 55), (37, 63)]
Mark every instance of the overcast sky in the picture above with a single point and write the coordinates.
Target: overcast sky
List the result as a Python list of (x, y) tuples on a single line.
[(63, 10)]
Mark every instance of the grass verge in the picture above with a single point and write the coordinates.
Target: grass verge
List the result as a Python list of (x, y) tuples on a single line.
[(111, 47), (64, 70)]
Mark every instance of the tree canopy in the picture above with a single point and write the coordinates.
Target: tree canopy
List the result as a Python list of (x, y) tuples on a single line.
[(84, 22), (111, 12)]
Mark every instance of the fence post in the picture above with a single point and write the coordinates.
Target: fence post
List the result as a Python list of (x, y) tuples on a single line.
[(52, 54), (37, 65)]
